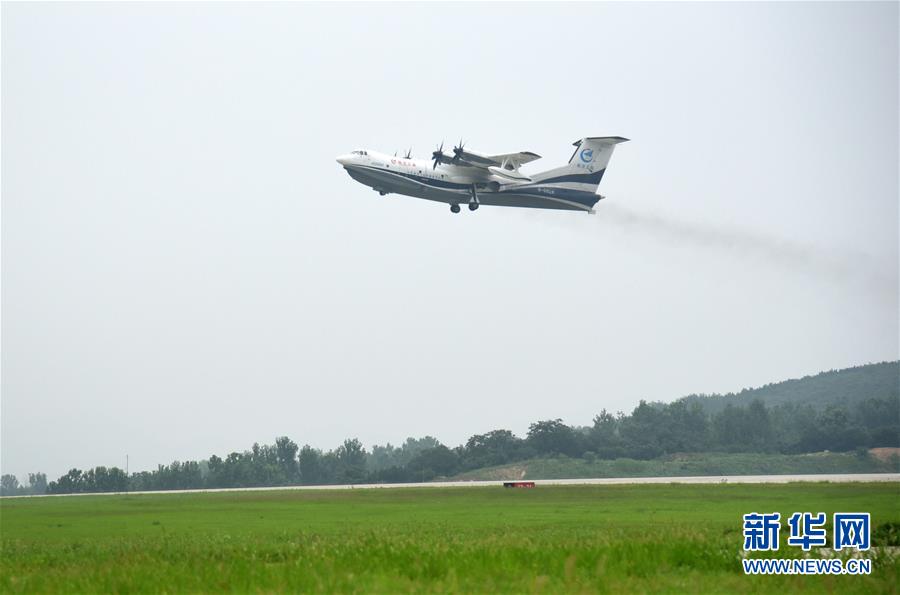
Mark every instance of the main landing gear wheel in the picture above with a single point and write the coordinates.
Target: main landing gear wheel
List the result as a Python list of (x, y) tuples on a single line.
[(473, 202), (454, 208)]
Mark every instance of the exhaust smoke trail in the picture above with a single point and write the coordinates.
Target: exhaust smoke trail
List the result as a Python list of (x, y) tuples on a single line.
[(845, 267)]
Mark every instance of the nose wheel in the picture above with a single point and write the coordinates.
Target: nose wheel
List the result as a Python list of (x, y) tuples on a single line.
[(454, 208)]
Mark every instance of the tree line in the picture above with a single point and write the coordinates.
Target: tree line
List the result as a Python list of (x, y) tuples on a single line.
[(650, 431)]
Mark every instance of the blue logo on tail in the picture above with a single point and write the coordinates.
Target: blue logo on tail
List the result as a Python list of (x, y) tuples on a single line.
[(587, 155)]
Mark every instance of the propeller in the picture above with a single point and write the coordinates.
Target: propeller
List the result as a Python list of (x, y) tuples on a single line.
[(458, 151), (438, 155), (409, 154)]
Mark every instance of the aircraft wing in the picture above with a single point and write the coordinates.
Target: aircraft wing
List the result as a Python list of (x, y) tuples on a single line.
[(473, 159), (510, 161), (517, 159)]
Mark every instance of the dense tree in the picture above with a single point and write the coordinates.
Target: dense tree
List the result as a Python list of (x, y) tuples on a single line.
[(744, 429), (552, 436), (382, 457), (101, 479), (312, 470), (37, 483), (70, 483), (216, 475), (881, 418), (286, 456), (838, 431), (690, 427), (645, 432), (494, 448), (433, 462), (9, 485), (351, 458)]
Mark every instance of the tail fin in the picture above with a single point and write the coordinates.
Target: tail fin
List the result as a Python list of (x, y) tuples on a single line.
[(585, 169), (595, 151)]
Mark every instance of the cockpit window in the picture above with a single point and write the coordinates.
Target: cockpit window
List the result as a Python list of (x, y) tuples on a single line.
[(358, 153)]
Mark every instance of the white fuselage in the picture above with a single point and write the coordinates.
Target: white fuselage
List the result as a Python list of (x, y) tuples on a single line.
[(446, 183)]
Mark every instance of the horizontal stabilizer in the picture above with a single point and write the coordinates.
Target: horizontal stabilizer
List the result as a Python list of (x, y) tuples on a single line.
[(602, 140)]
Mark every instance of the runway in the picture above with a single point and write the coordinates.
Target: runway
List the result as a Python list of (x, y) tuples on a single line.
[(711, 479)]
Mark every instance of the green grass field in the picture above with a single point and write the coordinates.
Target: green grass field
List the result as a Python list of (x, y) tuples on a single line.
[(639, 538)]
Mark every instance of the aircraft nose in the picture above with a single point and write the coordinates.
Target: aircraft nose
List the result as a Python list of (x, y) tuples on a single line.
[(343, 159)]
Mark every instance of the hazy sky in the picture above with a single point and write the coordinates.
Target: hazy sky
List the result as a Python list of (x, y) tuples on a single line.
[(187, 270)]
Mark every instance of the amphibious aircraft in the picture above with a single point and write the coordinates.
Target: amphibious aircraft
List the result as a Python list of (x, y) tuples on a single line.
[(467, 176)]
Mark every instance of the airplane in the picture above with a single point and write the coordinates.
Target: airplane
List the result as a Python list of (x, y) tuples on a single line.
[(467, 176)]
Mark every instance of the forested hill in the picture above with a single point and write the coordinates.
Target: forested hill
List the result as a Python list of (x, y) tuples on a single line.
[(847, 388), (846, 411)]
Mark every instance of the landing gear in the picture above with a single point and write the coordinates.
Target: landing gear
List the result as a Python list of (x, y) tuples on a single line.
[(473, 202), (382, 193)]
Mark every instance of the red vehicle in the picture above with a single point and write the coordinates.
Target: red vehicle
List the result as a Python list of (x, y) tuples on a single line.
[(518, 484)]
